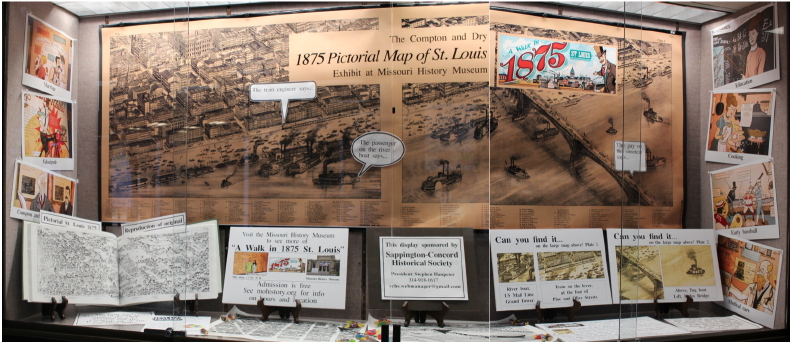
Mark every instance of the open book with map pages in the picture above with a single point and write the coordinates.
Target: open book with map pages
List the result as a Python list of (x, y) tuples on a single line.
[(95, 267)]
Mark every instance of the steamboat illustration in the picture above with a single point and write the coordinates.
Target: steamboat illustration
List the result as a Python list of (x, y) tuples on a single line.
[(444, 178), (516, 171)]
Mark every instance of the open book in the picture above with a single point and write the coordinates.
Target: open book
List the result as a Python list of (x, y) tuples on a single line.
[(94, 267)]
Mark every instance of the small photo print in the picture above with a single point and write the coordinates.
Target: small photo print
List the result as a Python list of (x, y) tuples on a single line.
[(516, 267), (570, 265), (286, 265), (250, 262), (324, 265)]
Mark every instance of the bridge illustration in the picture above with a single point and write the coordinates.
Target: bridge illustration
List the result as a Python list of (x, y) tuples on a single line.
[(581, 146), (626, 258)]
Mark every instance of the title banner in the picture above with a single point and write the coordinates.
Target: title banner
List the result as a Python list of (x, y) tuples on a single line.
[(428, 268)]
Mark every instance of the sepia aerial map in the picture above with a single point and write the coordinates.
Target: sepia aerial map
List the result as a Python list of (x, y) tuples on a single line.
[(640, 274), (516, 267), (570, 265)]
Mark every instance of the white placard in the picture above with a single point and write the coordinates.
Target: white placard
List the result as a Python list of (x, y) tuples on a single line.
[(548, 265), (423, 268), (744, 201), (112, 318), (167, 221), (611, 329), (191, 324), (713, 324), (282, 265), (61, 220), (378, 149), (629, 156), (283, 92), (667, 264)]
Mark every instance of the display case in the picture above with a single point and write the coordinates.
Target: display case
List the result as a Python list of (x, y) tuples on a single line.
[(405, 171)]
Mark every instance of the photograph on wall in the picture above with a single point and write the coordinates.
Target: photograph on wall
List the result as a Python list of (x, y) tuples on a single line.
[(37, 189), (750, 273), (552, 267), (533, 62), (741, 126), (745, 50), (553, 161), (743, 201), (663, 264), (48, 59), (48, 131)]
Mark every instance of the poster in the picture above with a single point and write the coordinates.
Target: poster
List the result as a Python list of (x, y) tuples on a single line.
[(48, 58), (282, 265), (743, 201), (37, 189), (550, 267), (750, 274), (210, 152), (741, 126), (48, 131), (745, 51), (423, 268), (554, 159), (663, 264)]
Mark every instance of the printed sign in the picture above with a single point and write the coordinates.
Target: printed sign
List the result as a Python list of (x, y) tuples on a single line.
[(429, 268), (282, 265)]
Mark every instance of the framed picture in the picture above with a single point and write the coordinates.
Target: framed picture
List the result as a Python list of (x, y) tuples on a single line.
[(48, 58), (37, 189), (48, 131), (741, 126)]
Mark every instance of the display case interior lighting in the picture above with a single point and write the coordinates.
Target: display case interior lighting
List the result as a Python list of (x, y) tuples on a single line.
[(87, 9), (662, 10)]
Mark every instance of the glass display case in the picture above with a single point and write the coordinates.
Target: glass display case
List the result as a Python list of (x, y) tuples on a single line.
[(320, 171)]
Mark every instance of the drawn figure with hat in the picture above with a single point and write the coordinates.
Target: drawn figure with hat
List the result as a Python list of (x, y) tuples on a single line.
[(755, 60), (720, 208), (608, 70)]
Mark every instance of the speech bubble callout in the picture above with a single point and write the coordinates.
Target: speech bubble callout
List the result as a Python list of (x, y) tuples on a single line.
[(629, 156), (378, 149), (283, 92)]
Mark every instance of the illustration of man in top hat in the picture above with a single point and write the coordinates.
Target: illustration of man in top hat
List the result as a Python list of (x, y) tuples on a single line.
[(608, 70)]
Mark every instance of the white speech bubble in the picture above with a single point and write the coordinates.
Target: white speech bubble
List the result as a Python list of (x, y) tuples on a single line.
[(283, 92), (629, 156), (378, 149)]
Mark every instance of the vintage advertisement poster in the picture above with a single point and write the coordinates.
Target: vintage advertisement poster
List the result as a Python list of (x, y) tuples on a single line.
[(37, 189), (423, 268), (202, 147), (48, 59), (750, 273), (48, 128), (743, 201), (550, 267), (283, 265), (554, 156), (745, 51), (666, 265), (741, 126)]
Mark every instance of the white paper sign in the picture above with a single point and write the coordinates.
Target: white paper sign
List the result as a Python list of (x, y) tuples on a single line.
[(60, 220), (713, 324), (611, 329), (379, 149), (282, 265), (113, 318), (423, 268), (667, 264), (548, 265), (283, 92), (167, 221), (191, 324), (629, 156)]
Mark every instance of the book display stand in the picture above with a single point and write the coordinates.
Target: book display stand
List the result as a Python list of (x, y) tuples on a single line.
[(665, 308), (420, 316), (283, 312), (49, 309), (548, 314), (192, 305)]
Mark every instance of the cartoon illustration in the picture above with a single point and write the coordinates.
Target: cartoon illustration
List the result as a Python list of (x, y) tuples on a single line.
[(739, 198), (608, 71), (740, 123)]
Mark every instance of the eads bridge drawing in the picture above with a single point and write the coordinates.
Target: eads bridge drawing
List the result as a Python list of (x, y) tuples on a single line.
[(580, 145), (629, 259)]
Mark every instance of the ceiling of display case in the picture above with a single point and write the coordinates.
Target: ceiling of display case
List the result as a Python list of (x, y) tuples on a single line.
[(693, 12)]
